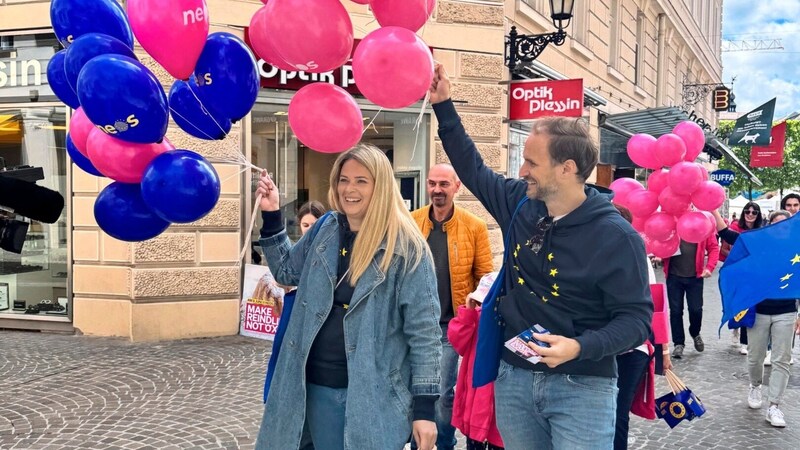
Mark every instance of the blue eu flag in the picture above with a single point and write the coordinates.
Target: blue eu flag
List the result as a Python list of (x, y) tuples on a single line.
[(763, 264)]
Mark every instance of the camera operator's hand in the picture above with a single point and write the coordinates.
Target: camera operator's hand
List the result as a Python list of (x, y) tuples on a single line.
[(270, 197)]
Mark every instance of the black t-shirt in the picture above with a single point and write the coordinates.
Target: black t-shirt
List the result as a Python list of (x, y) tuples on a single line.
[(437, 241), (683, 265)]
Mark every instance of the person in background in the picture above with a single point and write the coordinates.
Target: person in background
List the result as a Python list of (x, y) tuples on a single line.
[(791, 203), (776, 321), (308, 214), (363, 344), (459, 242)]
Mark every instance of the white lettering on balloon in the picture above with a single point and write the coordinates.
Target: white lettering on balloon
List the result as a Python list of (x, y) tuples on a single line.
[(196, 15)]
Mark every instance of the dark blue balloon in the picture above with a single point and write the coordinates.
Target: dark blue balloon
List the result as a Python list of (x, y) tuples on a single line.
[(87, 47), (124, 99), (192, 116), (80, 160), (74, 18), (57, 79), (180, 186), (122, 214), (227, 76)]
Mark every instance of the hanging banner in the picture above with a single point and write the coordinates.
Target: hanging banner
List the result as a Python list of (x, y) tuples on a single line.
[(772, 154), (531, 99), (754, 127)]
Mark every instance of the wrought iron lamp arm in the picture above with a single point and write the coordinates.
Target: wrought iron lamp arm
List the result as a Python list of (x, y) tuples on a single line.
[(521, 48)]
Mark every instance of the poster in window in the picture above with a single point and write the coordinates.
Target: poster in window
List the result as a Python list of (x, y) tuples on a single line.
[(3, 296)]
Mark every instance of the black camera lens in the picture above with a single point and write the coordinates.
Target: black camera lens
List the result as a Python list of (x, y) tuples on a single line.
[(12, 235)]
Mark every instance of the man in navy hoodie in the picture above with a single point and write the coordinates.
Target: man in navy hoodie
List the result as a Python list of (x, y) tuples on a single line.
[(575, 267)]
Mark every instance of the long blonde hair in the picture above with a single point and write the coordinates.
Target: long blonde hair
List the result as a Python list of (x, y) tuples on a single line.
[(386, 219)]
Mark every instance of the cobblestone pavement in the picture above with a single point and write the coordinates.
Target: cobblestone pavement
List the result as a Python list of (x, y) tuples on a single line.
[(77, 392)]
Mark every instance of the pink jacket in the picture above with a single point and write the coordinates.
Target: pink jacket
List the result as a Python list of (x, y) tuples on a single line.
[(711, 246), (473, 409)]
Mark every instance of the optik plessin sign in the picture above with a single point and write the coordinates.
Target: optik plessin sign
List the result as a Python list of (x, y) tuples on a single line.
[(530, 99)]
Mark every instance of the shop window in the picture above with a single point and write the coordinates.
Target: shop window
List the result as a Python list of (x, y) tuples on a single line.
[(34, 282), (516, 144)]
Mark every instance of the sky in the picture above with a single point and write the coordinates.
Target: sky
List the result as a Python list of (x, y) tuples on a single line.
[(762, 75)]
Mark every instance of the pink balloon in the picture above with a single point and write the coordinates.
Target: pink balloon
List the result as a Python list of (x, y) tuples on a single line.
[(310, 35), (705, 173), (660, 226), (393, 67), (670, 149), (666, 248), (325, 118), (122, 160), (409, 14), (684, 177), (622, 187), (672, 202), (641, 150), (261, 40), (658, 180), (711, 219), (638, 225), (79, 128), (172, 32), (360, 2), (694, 227), (709, 196), (642, 202), (693, 137)]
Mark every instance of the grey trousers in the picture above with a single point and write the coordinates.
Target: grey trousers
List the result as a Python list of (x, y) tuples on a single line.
[(780, 328)]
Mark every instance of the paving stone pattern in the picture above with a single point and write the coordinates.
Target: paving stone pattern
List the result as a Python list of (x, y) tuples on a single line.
[(77, 392)]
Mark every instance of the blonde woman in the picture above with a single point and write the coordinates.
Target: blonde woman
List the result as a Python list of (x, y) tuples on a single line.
[(359, 365)]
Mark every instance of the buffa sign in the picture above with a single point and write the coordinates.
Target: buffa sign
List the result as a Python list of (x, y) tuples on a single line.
[(15, 72)]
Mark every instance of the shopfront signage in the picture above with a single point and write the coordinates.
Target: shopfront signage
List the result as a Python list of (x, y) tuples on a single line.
[(723, 176), (530, 99), (14, 72)]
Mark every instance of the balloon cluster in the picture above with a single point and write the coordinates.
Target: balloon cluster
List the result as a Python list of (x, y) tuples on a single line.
[(678, 199), (392, 66), (122, 112)]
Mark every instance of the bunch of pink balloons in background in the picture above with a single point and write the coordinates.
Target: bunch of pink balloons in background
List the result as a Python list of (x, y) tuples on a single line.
[(392, 66), (679, 196)]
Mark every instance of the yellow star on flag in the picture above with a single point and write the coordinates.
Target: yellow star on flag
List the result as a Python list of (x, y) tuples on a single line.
[(515, 253), (553, 272), (787, 276), (544, 299), (520, 280), (550, 257), (517, 249), (516, 268), (554, 293), (796, 259), (555, 286), (344, 252), (785, 286)]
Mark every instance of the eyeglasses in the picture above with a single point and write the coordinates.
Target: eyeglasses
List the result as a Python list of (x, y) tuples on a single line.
[(537, 240), (752, 212)]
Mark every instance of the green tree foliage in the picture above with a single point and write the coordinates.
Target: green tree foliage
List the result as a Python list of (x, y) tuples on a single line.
[(774, 178)]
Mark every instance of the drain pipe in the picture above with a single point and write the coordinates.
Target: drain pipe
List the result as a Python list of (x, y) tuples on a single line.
[(662, 60)]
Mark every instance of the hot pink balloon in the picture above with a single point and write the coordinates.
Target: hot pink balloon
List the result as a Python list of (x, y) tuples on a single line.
[(684, 177), (260, 38), (693, 137), (658, 180), (660, 226), (705, 173), (711, 219), (709, 196), (670, 149), (79, 128), (622, 187), (694, 227), (325, 118), (393, 67), (642, 202), (641, 150), (360, 2), (310, 35), (122, 160), (638, 224), (172, 32), (672, 202), (409, 14), (665, 249)]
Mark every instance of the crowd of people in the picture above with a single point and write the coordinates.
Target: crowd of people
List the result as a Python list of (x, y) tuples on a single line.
[(388, 301)]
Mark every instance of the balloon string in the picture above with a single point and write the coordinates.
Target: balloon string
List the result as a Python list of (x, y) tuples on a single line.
[(371, 122), (249, 233), (190, 122), (418, 124), (206, 112)]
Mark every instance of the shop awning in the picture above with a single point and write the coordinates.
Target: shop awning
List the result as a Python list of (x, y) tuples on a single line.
[(656, 122), (10, 130)]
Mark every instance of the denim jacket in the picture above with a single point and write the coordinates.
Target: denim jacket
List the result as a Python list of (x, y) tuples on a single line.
[(392, 341)]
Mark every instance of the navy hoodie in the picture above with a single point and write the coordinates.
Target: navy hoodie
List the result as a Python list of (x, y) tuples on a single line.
[(589, 280)]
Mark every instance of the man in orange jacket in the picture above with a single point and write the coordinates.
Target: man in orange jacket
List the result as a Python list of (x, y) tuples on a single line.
[(459, 242)]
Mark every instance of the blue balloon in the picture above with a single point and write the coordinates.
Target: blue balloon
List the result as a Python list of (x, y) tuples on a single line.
[(124, 99), (227, 76), (74, 18), (122, 214), (81, 161), (87, 47), (180, 186), (57, 79), (192, 116)]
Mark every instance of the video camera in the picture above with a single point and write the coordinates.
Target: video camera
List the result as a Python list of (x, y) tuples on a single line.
[(20, 194)]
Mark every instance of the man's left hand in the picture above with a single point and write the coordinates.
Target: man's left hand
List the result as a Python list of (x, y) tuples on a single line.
[(706, 273), (424, 432), (561, 350)]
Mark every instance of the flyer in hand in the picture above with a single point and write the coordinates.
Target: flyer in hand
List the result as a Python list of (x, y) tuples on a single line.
[(519, 343)]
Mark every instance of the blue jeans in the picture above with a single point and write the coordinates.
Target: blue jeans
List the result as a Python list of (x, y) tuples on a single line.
[(325, 409), (537, 410)]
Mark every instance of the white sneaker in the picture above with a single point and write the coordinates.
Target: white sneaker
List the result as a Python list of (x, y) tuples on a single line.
[(735, 338), (754, 397), (743, 350), (768, 359), (775, 417)]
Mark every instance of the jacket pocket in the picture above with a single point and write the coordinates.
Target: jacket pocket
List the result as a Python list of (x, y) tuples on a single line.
[(401, 397), (592, 383)]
